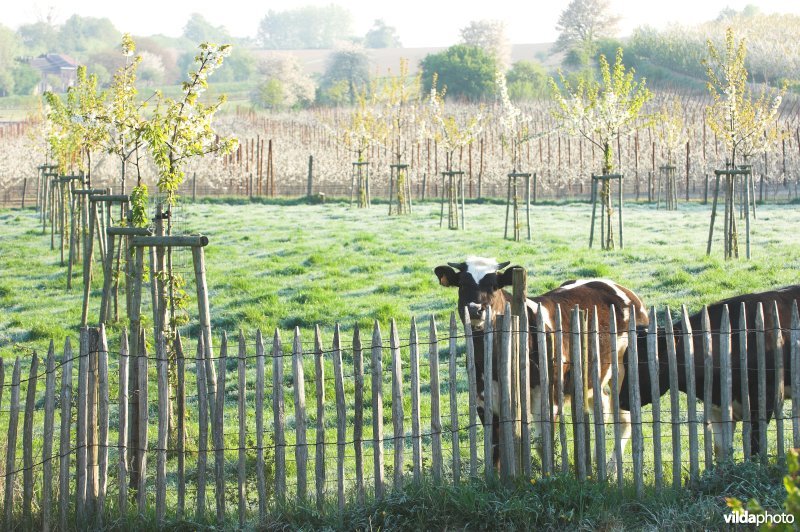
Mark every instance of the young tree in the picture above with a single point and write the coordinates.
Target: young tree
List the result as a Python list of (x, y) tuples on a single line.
[(451, 131), (583, 22), (124, 118), (181, 129), (362, 131), (398, 98), (600, 111), (490, 36), (671, 128), (516, 126), (745, 122), (78, 125)]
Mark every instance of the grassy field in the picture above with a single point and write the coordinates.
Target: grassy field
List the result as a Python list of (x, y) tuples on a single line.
[(299, 265), (291, 265)]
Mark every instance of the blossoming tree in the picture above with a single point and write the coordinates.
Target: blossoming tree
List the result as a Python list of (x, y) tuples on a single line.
[(452, 131), (746, 123), (398, 108), (672, 133), (599, 112)]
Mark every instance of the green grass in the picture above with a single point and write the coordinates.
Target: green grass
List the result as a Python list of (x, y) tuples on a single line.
[(287, 264), (558, 503)]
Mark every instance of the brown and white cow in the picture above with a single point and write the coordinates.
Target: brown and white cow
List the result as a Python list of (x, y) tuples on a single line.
[(784, 298), (480, 286)]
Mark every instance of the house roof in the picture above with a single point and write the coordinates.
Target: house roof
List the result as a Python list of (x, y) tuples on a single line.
[(54, 63)]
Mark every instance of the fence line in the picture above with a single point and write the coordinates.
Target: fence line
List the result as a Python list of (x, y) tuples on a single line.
[(98, 453)]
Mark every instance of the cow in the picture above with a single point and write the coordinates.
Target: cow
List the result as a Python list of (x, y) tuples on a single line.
[(784, 298), (480, 284)]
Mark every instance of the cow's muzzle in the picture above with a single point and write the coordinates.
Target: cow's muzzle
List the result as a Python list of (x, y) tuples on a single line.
[(477, 315)]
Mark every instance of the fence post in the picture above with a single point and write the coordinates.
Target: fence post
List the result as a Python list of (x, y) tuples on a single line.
[(397, 406), (436, 418), (655, 391), (358, 406), (102, 423), (202, 437), (453, 385), (615, 411), (319, 447), (219, 420), (777, 347), (525, 398), (241, 391), (64, 446), (761, 348), (301, 449), (377, 408), (80, 444), (726, 383), (488, 397), (708, 383), (674, 412), (260, 382), (27, 443), (341, 416), (599, 415), (558, 375), (691, 394), (518, 307), (310, 175), (634, 395), (279, 418), (745, 384), (180, 401), (11, 452), (576, 359), (163, 418), (507, 457), (472, 385), (416, 441), (47, 444), (143, 418), (795, 365), (122, 447)]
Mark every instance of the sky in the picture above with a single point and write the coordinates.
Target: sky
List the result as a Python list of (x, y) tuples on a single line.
[(419, 23)]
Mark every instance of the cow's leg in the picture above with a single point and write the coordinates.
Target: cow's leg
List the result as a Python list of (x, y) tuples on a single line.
[(717, 428), (625, 436), (624, 415)]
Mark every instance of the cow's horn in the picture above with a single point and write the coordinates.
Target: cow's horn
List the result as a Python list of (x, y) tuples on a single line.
[(456, 265), (503, 264)]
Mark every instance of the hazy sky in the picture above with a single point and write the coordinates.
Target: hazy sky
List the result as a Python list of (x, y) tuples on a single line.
[(418, 22)]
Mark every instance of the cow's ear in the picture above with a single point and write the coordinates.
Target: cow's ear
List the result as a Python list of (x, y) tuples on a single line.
[(506, 278), (447, 276)]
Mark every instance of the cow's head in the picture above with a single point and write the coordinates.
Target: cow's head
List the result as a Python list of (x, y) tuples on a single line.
[(479, 284)]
